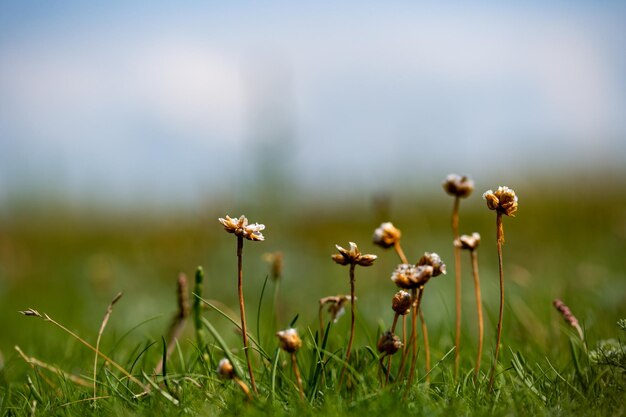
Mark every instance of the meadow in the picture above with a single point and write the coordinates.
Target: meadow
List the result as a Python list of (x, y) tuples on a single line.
[(567, 241)]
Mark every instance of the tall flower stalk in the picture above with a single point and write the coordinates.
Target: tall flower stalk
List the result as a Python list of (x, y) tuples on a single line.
[(504, 202), (352, 257), (241, 229), (290, 342), (458, 187), (471, 242)]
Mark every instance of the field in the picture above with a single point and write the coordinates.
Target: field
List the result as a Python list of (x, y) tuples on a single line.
[(566, 242)]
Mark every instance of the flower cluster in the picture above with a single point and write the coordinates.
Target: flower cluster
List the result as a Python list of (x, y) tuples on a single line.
[(386, 235), (352, 256), (502, 200), (289, 340), (469, 242), (458, 186), (240, 227)]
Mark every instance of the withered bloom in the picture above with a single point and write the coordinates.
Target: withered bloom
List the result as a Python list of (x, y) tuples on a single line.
[(389, 343), (409, 276), (336, 305), (240, 227), (289, 340), (433, 260), (401, 303), (352, 256), (458, 186), (469, 242), (275, 259), (386, 235), (502, 200), (225, 369)]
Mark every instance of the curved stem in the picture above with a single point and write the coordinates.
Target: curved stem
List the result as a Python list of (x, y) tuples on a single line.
[(242, 309), (500, 240), (352, 323), (479, 311), (457, 286), (243, 387), (400, 252)]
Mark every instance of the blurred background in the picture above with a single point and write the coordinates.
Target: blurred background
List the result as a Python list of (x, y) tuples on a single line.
[(127, 128)]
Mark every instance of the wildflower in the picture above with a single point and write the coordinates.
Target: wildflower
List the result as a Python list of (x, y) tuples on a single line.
[(386, 235), (470, 242), (433, 260), (240, 227), (409, 276), (352, 256), (225, 369), (458, 186), (336, 305), (401, 303), (389, 343), (503, 200), (289, 340)]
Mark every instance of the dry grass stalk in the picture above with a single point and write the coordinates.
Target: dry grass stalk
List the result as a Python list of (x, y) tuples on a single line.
[(105, 320), (503, 201), (569, 318), (34, 362)]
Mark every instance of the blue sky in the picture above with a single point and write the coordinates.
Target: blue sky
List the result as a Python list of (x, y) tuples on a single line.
[(158, 100)]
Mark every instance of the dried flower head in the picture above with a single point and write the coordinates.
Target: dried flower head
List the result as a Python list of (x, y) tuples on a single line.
[(336, 305), (458, 185), (352, 256), (389, 343), (470, 242), (411, 276), (434, 260), (225, 369), (289, 340), (386, 235), (240, 227), (401, 303), (503, 200)]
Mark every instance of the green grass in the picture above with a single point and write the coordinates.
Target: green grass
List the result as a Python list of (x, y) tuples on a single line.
[(70, 266)]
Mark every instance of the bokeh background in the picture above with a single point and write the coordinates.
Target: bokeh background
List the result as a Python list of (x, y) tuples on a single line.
[(127, 128)]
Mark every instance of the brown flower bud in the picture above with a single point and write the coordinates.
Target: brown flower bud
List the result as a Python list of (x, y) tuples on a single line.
[(386, 235), (470, 242), (503, 200), (389, 343), (225, 369), (352, 256), (240, 227), (401, 303), (458, 186), (434, 260), (289, 340)]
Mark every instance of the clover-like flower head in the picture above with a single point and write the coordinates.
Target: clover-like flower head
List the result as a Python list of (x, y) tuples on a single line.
[(502, 200), (389, 343), (240, 227), (458, 185), (469, 242), (386, 235), (401, 303), (289, 340), (409, 276), (433, 260), (352, 256)]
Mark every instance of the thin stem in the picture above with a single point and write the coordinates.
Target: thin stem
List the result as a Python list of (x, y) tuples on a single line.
[(352, 323), (321, 316), (296, 371), (243, 387), (417, 299), (393, 331), (242, 309), (500, 240), (426, 344), (457, 286), (405, 350), (400, 252), (105, 320), (479, 311)]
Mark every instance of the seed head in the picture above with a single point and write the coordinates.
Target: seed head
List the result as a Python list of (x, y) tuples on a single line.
[(352, 256), (225, 369), (389, 343), (240, 227), (336, 305), (386, 235), (289, 340), (409, 276), (401, 303), (31, 312), (434, 260), (458, 186), (470, 242), (503, 200)]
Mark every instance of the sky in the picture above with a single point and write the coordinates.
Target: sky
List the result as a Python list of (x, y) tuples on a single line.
[(158, 101)]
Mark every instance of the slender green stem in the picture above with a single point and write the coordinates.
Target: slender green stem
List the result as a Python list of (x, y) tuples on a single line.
[(479, 311), (242, 310), (500, 240), (457, 286)]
